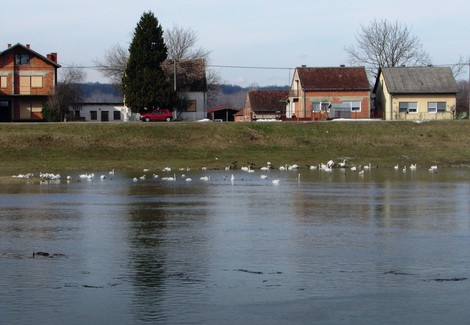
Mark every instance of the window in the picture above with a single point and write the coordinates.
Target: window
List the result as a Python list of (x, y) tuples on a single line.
[(436, 107), (321, 106), (25, 85), (408, 107), (28, 82), (22, 59), (355, 106), (190, 106), (316, 106), (36, 82), (117, 115), (93, 115), (3, 82)]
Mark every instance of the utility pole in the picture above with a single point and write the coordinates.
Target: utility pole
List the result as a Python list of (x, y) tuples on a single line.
[(174, 75)]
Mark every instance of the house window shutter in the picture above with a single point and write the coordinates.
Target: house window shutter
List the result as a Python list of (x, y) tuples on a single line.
[(36, 82)]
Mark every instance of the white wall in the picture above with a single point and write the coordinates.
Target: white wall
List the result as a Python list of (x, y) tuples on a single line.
[(101, 110), (201, 107)]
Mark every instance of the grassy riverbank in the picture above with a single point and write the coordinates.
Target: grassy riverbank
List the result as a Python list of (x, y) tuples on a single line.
[(33, 147)]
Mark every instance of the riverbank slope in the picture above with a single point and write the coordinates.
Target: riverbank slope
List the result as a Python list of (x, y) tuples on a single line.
[(33, 147)]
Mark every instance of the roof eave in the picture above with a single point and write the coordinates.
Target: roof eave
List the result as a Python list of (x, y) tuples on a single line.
[(336, 89)]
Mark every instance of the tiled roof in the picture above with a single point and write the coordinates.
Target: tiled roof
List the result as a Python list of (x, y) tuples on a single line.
[(333, 78), (221, 108), (27, 49), (419, 80), (268, 100)]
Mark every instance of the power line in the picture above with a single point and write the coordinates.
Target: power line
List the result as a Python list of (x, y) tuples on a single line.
[(247, 67), (65, 65)]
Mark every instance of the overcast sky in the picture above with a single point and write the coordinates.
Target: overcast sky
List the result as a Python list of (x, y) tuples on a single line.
[(241, 33)]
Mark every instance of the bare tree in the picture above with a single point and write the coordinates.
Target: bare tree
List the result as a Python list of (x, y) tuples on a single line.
[(184, 58), (459, 68), (113, 64), (385, 44), (187, 64), (66, 94), (181, 46), (181, 43)]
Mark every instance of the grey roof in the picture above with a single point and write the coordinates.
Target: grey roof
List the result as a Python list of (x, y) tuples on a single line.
[(419, 80)]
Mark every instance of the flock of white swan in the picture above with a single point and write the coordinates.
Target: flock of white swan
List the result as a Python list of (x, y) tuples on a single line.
[(170, 176)]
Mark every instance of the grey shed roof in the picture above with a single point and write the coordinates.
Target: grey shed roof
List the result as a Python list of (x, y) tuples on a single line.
[(420, 80)]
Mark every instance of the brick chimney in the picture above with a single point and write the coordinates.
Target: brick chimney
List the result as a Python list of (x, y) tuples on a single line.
[(9, 45), (52, 57), (28, 46)]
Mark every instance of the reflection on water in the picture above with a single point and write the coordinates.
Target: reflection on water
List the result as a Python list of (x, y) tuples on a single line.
[(383, 247)]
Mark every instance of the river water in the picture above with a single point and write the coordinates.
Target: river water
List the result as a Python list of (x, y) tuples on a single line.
[(385, 247)]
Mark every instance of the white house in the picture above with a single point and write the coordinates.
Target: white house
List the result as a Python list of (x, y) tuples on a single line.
[(190, 84), (103, 112)]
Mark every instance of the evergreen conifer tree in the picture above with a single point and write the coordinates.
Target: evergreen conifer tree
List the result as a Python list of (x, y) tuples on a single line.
[(144, 83)]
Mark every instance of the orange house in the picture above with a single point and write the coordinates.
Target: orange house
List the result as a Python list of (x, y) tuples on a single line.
[(27, 80), (328, 93)]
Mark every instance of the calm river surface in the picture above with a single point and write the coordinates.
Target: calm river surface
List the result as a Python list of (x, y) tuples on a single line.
[(382, 248)]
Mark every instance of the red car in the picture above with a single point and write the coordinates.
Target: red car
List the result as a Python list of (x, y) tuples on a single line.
[(160, 114)]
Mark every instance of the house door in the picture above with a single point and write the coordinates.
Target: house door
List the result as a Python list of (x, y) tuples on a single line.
[(104, 116), (5, 111)]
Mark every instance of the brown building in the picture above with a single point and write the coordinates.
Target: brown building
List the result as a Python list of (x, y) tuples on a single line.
[(265, 105), (331, 92), (27, 80)]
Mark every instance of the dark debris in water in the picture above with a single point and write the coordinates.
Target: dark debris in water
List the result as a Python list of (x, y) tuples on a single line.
[(248, 271), (398, 273), (182, 276), (76, 285), (455, 279), (92, 287), (45, 254), (449, 279)]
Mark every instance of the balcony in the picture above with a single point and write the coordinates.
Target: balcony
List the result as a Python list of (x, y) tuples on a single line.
[(294, 93)]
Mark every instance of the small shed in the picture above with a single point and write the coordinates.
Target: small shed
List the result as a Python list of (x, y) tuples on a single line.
[(222, 113)]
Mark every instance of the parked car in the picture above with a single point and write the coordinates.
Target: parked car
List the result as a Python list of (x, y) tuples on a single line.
[(160, 114)]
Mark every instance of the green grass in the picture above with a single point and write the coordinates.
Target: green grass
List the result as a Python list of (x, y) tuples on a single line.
[(89, 146)]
